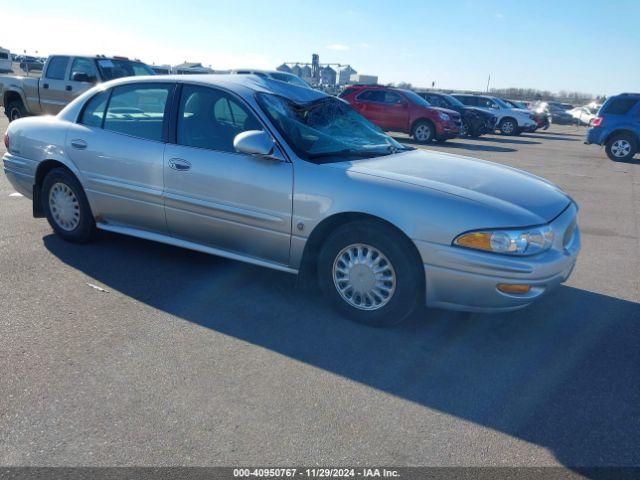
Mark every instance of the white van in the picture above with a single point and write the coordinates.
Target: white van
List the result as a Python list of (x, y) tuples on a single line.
[(5, 60)]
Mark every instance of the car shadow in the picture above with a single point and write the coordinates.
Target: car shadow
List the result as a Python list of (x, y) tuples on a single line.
[(552, 137), (562, 374), (457, 145), (503, 139)]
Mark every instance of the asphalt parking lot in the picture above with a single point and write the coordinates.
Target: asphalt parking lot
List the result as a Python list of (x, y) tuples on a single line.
[(127, 352)]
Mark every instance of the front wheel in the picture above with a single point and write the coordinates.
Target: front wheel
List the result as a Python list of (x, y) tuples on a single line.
[(66, 207), (508, 126), (621, 147), (423, 132), (369, 272)]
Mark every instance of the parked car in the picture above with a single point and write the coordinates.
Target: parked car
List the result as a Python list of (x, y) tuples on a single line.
[(5, 60), (540, 116), (209, 163), (65, 77), (273, 75), (617, 126), (161, 69), (400, 110), (582, 115), (475, 121), (557, 113), (511, 121), (29, 63)]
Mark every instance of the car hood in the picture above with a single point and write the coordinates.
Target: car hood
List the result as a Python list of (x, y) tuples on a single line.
[(448, 111), (530, 199), (479, 111)]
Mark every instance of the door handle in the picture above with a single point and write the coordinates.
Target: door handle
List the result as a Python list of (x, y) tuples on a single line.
[(179, 164), (45, 85), (68, 88), (79, 144)]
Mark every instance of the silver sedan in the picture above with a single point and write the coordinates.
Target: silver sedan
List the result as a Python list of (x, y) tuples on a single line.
[(290, 178)]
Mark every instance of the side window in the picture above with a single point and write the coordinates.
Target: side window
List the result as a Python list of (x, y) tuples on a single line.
[(467, 100), (620, 106), (83, 70), (57, 68), (392, 98), (436, 101), (211, 119), (93, 112), (138, 110), (371, 96)]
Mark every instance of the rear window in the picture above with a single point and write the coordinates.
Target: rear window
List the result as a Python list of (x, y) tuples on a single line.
[(57, 68), (4, 56), (347, 91), (620, 106), (137, 110)]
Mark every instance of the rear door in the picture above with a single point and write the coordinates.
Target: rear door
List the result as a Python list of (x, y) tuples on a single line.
[(118, 147), (216, 196), (53, 85)]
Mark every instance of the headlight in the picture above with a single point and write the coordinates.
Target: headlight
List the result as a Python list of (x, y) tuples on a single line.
[(509, 242), (444, 116)]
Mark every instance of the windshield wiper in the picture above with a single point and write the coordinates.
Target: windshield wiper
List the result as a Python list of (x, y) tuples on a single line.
[(347, 152)]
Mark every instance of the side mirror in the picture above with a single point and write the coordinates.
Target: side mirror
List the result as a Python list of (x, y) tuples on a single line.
[(254, 142), (83, 77)]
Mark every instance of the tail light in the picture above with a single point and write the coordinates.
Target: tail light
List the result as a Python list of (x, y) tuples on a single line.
[(6, 141), (596, 122)]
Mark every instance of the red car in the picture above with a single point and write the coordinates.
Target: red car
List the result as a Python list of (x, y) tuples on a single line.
[(400, 110)]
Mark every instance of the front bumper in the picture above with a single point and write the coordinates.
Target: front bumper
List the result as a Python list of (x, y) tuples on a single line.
[(463, 279), (447, 130), (529, 126)]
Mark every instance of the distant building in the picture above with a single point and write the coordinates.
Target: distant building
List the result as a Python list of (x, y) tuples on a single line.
[(297, 70), (327, 76), (363, 79), (187, 68), (344, 75), (305, 74), (284, 68)]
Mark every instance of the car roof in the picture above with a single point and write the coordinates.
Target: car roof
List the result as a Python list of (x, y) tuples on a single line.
[(241, 84)]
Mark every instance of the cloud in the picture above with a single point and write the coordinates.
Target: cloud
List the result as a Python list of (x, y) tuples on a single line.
[(499, 16), (364, 45), (337, 46)]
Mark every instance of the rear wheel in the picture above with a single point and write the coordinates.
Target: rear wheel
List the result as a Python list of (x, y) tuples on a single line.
[(508, 126), (15, 110), (423, 132), (621, 147), (369, 273), (66, 207)]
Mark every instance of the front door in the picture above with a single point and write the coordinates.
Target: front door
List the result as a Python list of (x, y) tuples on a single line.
[(53, 85), (82, 76), (120, 154), (215, 196)]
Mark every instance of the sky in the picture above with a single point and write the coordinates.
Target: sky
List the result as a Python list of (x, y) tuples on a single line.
[(591, 46)]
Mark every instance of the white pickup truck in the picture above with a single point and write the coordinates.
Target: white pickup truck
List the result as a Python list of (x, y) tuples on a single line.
[(64, 77)]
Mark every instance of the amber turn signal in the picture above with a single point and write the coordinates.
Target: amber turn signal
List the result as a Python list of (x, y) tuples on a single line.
[(513, 288)]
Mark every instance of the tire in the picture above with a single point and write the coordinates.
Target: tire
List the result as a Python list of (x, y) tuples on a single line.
[(464, 130), (15, 110), (66, 207), (387, 248), (423, 132), (508, 126), (621, 147)]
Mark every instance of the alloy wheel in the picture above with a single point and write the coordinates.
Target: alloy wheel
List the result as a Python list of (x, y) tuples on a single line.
[(621, 148), (423, 133)]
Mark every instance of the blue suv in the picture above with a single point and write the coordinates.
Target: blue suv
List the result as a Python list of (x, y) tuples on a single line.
[(617, 126)]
